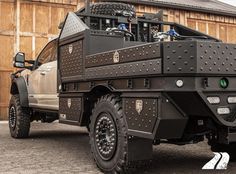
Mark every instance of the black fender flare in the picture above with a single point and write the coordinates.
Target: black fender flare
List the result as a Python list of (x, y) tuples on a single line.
[(19, 87)]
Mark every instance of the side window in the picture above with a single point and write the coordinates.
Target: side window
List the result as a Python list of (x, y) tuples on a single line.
[(48, 54)]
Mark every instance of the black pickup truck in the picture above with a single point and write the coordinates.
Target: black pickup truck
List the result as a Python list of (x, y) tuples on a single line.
[(136, 82)]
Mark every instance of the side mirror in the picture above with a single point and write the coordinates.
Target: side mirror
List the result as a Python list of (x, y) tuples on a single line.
[(19, 60)]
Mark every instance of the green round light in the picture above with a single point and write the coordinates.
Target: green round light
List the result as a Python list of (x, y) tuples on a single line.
[(224, 83)]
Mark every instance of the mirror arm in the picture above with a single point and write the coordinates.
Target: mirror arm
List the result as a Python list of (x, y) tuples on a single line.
[(30, 61), (29, 67)]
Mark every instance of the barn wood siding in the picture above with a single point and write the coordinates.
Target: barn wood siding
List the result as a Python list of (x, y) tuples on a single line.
[(28, 25)]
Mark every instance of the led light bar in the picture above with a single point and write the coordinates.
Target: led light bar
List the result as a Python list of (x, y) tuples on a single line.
[(223, 111), (231, 100), (213, 100)]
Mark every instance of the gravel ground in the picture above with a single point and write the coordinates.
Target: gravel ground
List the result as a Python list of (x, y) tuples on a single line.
[(56, 148)]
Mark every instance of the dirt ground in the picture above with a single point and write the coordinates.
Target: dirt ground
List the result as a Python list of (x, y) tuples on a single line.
[(56, 148)]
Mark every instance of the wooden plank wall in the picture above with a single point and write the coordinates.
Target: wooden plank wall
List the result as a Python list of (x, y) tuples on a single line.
[(28, 25)]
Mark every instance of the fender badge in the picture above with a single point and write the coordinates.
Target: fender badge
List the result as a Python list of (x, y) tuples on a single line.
[(69, 103), (70, 48), (139, 106), (116, 57)]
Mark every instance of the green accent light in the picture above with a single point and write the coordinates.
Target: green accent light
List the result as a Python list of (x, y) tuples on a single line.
[(224, 83)]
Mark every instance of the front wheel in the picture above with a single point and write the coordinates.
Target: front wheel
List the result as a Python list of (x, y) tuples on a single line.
[(19, 118)]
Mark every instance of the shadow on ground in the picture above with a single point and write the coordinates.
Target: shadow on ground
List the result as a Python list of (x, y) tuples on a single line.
[(166, 158)]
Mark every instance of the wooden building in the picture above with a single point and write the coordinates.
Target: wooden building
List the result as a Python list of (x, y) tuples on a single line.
[(27, 25)]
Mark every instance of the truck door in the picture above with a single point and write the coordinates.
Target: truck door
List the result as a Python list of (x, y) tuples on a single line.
[(42, 83)]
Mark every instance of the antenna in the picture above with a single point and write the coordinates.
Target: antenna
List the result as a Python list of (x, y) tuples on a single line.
[(87, 7), (87, 12)]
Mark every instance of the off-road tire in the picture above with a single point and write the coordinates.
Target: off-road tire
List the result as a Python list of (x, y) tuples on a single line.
[(20, 127), (108, 8), (229, 148), (118, 163), (111, 105)]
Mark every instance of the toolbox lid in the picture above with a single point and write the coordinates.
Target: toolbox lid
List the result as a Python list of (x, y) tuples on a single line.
[(73, 25)]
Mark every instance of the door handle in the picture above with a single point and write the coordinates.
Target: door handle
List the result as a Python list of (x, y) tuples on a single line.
[(43, 73)]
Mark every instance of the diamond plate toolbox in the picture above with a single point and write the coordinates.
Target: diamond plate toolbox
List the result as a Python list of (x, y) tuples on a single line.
[(199, 57)]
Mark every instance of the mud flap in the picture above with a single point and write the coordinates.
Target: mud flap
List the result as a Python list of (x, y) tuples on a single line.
[(139, 149)]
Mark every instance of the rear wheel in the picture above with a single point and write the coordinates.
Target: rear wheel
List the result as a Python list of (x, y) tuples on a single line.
[(108, 135), (19, 119), (113, 150)]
